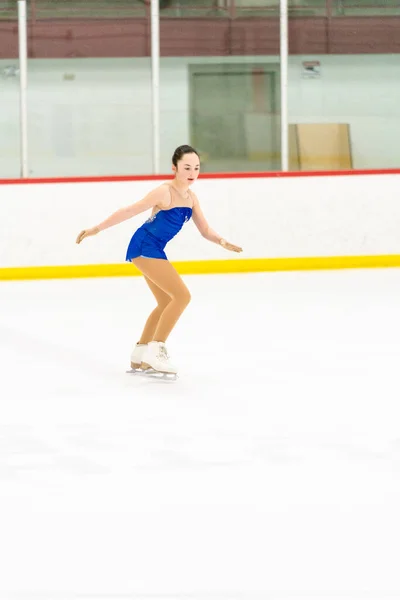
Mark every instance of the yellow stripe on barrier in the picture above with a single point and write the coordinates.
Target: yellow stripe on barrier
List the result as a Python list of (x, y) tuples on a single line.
[(251, 265)]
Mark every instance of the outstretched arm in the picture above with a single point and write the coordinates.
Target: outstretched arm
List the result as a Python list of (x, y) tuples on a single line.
[(206, 231), (158, 197)]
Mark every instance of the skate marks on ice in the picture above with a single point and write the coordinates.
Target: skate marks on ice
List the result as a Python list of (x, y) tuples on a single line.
[(157, 443)]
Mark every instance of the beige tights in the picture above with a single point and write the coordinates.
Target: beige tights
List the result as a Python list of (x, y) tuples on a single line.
[(171, 294)]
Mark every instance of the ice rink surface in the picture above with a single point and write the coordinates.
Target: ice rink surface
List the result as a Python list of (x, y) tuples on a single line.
[(269, 471)]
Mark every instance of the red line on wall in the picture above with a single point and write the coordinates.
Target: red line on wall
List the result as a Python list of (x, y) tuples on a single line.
[(256, 175)]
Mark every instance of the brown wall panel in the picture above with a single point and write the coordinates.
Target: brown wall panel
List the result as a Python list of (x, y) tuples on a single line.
[(367, 35), (194, 37), (103, 38), (238, 37), (203, 37), (308, 36), (8, 40), (255, 36)]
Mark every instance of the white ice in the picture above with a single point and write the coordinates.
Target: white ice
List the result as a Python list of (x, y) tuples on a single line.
[(270, 470)]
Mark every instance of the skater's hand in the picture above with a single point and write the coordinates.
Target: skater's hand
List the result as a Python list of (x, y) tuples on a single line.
[(230, 247), (86, 233)]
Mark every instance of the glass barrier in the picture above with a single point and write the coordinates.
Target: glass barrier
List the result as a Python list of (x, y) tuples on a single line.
[(89, 9), (92, 116), (229, 110), (344, 112), (89, 117), (365, 8), (9, 93)]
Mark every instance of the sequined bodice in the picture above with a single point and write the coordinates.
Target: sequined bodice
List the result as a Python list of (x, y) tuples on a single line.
[(165, 224)]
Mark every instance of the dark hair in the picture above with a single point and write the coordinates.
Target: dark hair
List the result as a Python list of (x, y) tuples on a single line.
[(180, 151)]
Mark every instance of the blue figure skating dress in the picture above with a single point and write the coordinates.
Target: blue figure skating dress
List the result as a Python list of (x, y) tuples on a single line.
[(151, 238)]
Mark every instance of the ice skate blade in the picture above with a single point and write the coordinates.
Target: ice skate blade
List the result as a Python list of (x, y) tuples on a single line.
[(160, 375), (140, 371), (153, 374)]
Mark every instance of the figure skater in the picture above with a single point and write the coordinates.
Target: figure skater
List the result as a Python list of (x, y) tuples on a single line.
[(172, 204)]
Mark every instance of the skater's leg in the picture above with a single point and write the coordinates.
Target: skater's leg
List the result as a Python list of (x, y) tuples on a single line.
[(165, 277), (163, 300)]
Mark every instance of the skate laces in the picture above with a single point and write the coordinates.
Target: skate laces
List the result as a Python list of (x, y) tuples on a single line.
[(163, 354)]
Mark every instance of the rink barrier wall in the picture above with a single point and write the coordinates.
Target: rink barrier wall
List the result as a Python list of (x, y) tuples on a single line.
[(301, 221)]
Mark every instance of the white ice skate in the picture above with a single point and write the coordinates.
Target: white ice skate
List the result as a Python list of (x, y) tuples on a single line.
[(136, 358), (157, 359)]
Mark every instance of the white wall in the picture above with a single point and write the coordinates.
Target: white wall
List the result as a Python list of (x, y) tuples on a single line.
[(99, 122), (269, 217)]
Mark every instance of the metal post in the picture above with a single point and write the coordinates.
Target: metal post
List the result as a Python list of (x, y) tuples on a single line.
[(23, 79), (284, 51), (155, 82)]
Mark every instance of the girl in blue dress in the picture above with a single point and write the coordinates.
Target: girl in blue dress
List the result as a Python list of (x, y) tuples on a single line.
[(172, 204)]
